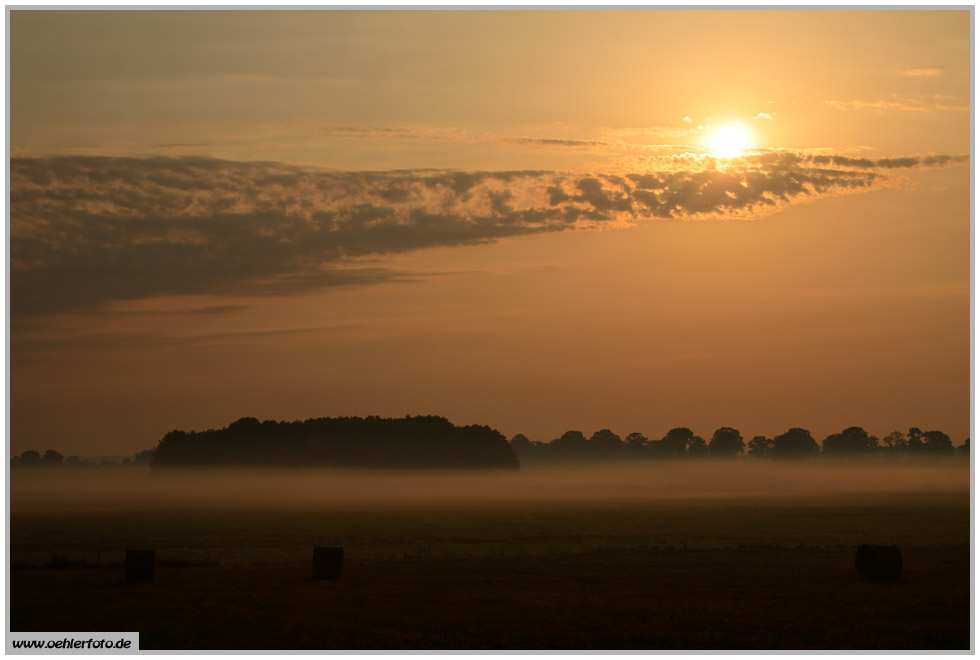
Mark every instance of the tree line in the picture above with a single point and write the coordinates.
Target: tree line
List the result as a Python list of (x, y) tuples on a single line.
[(55, 459), (727, 442), (434, 442)]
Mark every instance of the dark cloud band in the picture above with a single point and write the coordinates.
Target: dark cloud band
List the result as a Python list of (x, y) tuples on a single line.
[(91, 230)]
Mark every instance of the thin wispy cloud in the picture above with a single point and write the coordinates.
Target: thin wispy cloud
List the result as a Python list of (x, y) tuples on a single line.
[(86, 231), (794, 158), (656, 132), (927, 71), (454, 136), (560, 142), (144, 340), (955, 108), (919, 103), (880, 104), (401, 133)]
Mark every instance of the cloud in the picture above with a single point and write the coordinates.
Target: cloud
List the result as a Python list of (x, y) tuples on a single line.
[(86, 231), (763, 115), (789, 159), (143, 340), (215, 309), (955, 108), (915, 103), (560, 142), (931, 71), (453, 136), (656, 132), (399, 133), (362, 131), (209, 310), (878, 105)]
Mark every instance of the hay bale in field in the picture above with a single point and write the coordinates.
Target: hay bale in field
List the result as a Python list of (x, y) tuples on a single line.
[(327, 562), (878, 563), (139, 565)]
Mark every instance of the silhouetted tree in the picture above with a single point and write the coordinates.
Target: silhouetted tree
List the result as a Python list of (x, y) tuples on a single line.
[(852, 441), (571, 444), (606, 444), (697, 447), (527, 449), (636, 444), (796, 443), (655, 449), (895, 442), (52, 458), (30, 458), (916, 442), (964, 449), (726, 442), (937, 443), (675, 443), (144, 457), (929, 443), (760, 447), (520, 443)]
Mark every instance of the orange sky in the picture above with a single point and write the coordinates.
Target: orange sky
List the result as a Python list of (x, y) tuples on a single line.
[(509, 218)]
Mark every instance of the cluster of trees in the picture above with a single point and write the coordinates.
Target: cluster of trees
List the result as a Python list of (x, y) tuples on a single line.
[(727, 442), (51, 458), (376, 442), (55, 459)]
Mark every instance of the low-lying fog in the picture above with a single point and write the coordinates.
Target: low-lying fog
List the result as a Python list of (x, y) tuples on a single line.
[(141, 489)]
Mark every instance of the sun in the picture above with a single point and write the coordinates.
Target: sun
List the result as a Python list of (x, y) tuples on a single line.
[(729, 141)]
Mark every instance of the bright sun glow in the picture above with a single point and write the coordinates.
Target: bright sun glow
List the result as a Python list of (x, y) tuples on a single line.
[(729, 141)]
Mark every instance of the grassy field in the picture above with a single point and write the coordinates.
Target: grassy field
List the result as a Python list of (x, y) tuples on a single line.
[(506, 573)]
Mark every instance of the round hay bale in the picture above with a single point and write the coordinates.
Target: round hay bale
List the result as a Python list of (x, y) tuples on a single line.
[(327, 562), (878, 563), (139, 565)]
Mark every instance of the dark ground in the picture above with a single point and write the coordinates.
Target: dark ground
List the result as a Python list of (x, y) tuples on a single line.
[(615, 576)]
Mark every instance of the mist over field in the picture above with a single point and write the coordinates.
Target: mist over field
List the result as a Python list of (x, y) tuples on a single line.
[(685, 554), (771, 483)]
